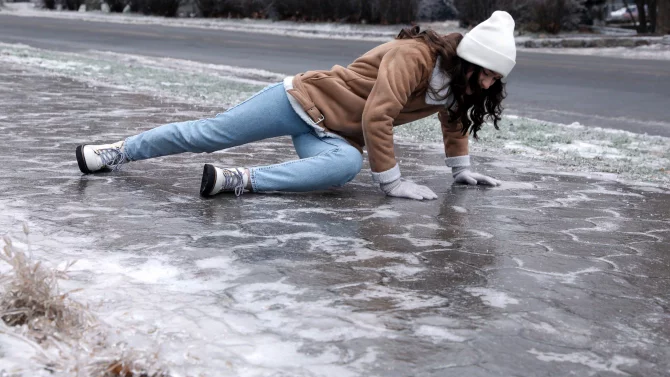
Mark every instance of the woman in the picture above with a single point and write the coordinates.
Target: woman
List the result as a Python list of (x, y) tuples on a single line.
[(332, 115)]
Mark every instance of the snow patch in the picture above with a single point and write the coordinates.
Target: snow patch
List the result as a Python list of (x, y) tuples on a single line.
[(572, 149), (588, 359), (651, 52), (438, 334), (493, 298)]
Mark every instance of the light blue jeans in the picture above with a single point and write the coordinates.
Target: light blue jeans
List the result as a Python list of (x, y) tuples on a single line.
[(324, 161)]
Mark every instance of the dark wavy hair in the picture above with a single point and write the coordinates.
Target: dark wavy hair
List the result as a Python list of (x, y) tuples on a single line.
[(470, 110)]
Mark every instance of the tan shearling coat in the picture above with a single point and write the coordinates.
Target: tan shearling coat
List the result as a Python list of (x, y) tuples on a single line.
[(383, 88)]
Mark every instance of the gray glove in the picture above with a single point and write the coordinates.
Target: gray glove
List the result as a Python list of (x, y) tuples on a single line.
[(460, 169), (407, 189), (468, 177)]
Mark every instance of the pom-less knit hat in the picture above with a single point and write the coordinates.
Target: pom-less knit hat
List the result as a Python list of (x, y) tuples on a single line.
[(491, 44)]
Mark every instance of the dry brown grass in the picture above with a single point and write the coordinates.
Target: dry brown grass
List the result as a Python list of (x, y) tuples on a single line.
[(31, 297), (46, 319)]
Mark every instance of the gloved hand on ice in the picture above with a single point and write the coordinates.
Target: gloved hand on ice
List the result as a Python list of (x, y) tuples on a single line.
[(460, 170)]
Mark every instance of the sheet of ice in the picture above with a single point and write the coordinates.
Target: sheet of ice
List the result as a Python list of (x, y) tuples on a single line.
[(459, 209), (160, 302), (492, 297), (314, 285), (418, 242), (589, 359), (17, 354), (439, 333)]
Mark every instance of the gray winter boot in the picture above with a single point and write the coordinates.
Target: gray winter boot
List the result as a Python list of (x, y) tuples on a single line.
[(216, 180), (93, 158)]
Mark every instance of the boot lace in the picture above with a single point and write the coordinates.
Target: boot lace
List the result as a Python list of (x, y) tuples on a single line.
[(233, 181), (112, 157)]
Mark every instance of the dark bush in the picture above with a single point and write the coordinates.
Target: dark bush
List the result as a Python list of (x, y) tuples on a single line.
[(472, 12), (398, 11), (72, 4), (318, 10), (234, 8), (437, 10), (209, 8), (372, 11), (165, 8), (553, 16), (49, 4), (550, 16), (116, 5)]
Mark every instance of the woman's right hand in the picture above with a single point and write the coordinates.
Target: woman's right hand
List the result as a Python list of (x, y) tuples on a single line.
[(407, 189)]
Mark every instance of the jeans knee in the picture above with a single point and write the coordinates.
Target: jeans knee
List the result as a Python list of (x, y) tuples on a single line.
[(347, 165)]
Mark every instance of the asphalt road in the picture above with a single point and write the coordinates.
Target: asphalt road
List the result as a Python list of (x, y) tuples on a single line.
[(633, 95)]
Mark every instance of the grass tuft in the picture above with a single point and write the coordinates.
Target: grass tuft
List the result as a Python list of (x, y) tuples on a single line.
[(31, 297), (55, 324), (121, 369)]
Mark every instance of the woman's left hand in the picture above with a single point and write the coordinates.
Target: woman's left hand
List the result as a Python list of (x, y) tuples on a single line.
[(407, 189), (468, 177)]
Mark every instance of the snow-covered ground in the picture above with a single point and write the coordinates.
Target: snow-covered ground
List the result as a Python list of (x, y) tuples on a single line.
[(378, 33), (574, 147), (651, 52)]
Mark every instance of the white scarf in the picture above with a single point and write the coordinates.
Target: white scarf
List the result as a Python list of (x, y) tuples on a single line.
[(438, 79)]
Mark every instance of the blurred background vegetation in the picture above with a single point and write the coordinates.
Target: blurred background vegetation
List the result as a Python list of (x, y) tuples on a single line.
[(548, 16)]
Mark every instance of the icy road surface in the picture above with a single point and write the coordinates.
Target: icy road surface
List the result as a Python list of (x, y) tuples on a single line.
[(550, 274)]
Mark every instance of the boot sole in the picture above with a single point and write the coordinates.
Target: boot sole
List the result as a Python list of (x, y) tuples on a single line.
[(81, 161), (208, 180)]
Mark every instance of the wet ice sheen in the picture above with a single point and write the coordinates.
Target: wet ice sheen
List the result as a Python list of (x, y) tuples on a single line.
[(492, 297), (345, 282)]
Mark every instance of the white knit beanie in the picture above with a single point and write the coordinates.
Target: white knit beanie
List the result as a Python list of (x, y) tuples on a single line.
[(491, 44)]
